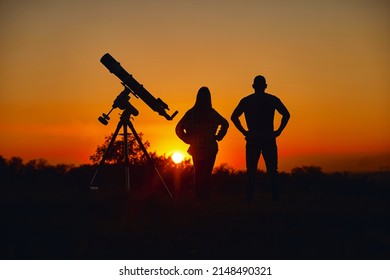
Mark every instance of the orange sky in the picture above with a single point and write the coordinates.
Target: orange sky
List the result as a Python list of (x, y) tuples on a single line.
[(327, 60)]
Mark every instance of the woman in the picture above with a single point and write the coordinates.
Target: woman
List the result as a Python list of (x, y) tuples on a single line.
[(199, 128)]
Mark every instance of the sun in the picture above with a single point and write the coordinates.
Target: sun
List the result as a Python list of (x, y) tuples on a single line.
[(177, 157)]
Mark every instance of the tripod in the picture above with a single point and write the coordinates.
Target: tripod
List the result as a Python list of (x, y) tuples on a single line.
[(124, 123)]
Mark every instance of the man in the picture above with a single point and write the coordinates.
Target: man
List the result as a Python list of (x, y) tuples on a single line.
[(259, 111)]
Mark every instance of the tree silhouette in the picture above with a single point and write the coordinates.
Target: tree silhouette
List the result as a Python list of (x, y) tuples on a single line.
[(116, 153), (308, 177)]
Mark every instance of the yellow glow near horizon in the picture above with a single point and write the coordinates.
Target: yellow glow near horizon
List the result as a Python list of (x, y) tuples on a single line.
[(177, 157)]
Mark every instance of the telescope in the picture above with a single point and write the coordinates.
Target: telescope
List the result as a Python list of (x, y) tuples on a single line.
[(131, 86), (122, 102)]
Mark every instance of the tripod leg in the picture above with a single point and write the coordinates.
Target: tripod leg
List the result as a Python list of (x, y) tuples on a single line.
[(126, 154), (101, 163), (130, 124)]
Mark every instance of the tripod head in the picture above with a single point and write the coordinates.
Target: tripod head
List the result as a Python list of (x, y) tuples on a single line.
[(131, 86), (122, 102)]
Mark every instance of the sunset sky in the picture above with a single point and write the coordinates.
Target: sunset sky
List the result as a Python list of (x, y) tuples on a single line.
[(328, 61)]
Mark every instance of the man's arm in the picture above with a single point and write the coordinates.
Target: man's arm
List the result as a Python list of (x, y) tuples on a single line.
[(236, 121), (285, 118)]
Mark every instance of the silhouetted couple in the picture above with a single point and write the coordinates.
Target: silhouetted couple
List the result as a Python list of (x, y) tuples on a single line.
[(202, 126)]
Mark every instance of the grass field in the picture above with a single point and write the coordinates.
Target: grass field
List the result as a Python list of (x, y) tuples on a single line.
[(325, 219)]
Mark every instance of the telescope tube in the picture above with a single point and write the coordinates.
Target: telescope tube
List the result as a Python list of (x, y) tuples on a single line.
[(138, 90)]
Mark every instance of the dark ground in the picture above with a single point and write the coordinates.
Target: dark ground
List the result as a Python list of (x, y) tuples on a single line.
[(333, 218)]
